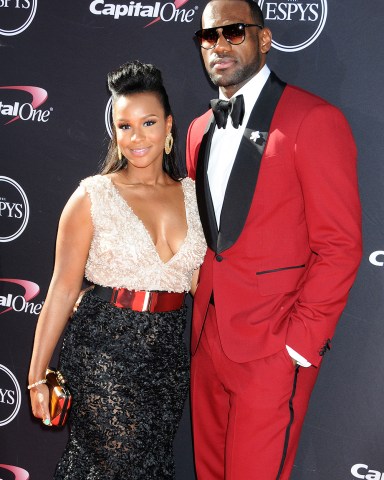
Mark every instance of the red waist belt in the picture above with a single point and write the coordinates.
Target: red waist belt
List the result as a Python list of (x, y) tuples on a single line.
[(141, 301)]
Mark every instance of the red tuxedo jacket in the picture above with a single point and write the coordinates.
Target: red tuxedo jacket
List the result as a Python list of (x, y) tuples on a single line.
[(289, 244)]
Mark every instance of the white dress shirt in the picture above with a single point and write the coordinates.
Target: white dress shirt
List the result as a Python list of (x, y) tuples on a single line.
[(226, 141), (224, 147)]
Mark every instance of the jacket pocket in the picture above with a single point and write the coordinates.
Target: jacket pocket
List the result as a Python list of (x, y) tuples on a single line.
[(281, 280), (273, 160)]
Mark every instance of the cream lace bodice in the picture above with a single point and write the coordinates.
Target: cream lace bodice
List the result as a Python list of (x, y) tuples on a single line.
[(122, 252)]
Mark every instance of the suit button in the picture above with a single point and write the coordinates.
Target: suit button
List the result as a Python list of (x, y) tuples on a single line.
[(219, 258)]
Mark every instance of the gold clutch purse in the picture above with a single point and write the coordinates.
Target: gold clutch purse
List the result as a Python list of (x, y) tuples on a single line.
[(60, 398)]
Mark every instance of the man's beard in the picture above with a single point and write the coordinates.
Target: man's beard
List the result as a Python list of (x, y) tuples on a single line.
[(239, 76)]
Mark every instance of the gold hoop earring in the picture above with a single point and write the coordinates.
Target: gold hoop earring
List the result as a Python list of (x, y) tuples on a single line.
[(119, 154), (168, 143)]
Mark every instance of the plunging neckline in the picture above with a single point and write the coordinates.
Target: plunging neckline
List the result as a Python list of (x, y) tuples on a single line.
[(144, 228)]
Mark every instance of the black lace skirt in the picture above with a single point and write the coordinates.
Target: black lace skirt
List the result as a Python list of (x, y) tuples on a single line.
[(128, 373)]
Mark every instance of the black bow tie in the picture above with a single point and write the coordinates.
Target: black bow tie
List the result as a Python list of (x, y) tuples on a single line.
[(234, 107)]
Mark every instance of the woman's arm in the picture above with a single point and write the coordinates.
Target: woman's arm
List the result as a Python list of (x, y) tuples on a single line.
[(72, 246)]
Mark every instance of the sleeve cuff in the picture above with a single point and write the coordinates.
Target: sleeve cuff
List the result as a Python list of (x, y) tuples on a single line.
[(296, 356)]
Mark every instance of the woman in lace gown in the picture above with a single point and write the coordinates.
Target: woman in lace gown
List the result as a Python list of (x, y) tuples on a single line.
[(134, 233)]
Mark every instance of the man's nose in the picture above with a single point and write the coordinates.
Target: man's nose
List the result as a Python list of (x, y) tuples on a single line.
[(222, 44)]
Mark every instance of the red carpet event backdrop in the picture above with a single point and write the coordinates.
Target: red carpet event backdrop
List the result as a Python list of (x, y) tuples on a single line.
[(54, 131)]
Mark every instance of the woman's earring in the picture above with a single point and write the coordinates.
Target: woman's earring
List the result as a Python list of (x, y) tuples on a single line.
[(168, 143), (119, 154)]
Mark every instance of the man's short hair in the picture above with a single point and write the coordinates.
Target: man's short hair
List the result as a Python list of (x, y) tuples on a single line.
[(256, 11)]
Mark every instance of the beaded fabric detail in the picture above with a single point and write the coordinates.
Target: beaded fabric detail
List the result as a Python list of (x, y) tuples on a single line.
[(122, 252)]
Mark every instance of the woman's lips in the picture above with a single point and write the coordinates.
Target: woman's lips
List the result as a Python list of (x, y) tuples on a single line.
[(139, 152)]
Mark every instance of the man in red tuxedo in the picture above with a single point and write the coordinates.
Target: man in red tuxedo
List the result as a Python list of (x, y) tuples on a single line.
[(275, 171)]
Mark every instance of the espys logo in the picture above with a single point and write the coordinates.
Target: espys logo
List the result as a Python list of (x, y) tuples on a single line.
[(168, 12), (18, 473), (360, 470), (377, 258), (16, 16), (18, 109), (12, 297), (295, 25), (10, 396), (14, 209), (108, 117)]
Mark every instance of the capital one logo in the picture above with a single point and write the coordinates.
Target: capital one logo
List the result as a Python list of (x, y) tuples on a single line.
[(14, 209), (360, 470), (16, 16), (377, 258), (18, 473), (168, 12), (295, 24), (13, 106), (10, 396), (15, 294)]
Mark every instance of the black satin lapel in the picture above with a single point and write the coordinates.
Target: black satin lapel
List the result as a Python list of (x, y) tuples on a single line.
[(203, 192), (242, 181)]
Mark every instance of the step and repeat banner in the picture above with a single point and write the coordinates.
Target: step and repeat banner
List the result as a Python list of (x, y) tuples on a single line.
[(54, 131)]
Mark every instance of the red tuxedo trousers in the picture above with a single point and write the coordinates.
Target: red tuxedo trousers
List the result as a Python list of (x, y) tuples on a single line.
[(247, 417)]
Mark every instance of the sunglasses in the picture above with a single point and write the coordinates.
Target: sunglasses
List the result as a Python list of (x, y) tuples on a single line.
[(233, 34)]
